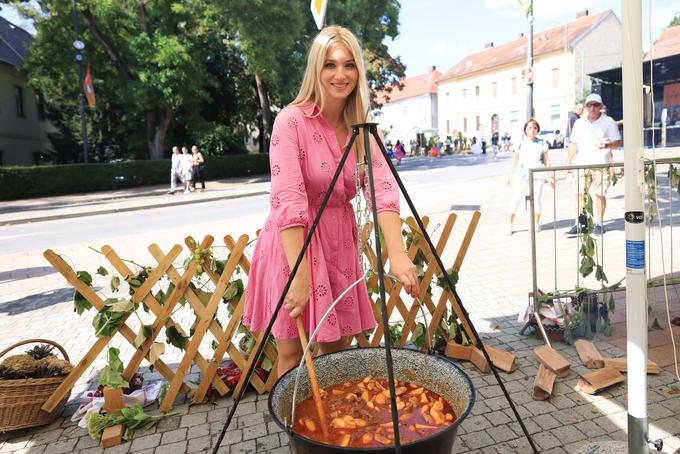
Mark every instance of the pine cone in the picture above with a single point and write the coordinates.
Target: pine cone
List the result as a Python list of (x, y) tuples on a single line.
[(41, 351)]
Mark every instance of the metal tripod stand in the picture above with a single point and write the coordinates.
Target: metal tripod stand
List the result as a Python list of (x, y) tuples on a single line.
[(372, 129)]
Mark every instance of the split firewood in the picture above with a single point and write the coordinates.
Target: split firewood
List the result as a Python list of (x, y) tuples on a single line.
[(543, 384), (600, 379), (551, 359), (621, 365), (589, 355)]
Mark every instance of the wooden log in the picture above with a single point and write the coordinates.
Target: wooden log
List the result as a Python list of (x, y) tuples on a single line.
[(457, 351), (112, 436), (589, 355), (551, 359), (600, 379), (543, 383), (621, 365), (113, 399), (477, 358), (501, 359)]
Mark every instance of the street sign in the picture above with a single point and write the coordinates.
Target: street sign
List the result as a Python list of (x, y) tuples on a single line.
[(318, 8)]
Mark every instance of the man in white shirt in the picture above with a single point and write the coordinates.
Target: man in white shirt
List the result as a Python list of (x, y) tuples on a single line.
[(175, 170), (593, 138)]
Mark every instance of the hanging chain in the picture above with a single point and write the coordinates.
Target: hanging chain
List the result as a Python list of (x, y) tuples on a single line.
[(363, 212)]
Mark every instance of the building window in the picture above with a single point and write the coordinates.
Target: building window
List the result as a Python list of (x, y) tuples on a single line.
[(555, 77), (514, 123), (448, 126), (40, 106), (513, 86), (465, 124), (2, 152), (494, 89), (477, 123), (19, 101), (464, 94), (555, 117), (477, 91)]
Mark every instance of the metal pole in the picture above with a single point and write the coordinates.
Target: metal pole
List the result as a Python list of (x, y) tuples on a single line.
[(81, 96), (636, 308), (530, 59)]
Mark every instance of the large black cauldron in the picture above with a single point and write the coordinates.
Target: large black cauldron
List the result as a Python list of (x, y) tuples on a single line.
[(437, 373)]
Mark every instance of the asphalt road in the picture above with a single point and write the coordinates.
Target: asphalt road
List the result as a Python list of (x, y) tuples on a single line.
[(427, 180)]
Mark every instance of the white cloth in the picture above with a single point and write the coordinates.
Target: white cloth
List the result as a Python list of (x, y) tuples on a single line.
[(530, 155), (588, 134), (144, 396)]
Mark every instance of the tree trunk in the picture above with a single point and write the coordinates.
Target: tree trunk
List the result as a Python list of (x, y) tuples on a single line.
[(263, 97), (157, 122)]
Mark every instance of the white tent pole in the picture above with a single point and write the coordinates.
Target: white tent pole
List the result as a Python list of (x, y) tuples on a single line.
[(636, 283)]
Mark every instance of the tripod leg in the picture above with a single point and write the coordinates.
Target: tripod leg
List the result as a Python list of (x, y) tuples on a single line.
[(442, 268), (267, 332), (381, 281)]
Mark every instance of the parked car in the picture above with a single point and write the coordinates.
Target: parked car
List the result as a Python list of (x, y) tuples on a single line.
[(555, 139)]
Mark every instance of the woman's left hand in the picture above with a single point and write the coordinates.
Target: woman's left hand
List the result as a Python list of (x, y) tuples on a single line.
[(404, 270)]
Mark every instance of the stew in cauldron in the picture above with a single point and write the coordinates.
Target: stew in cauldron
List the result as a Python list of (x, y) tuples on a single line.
[(359, 414)]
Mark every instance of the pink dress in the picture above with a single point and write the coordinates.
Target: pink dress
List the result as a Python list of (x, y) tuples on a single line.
[(304, 155)]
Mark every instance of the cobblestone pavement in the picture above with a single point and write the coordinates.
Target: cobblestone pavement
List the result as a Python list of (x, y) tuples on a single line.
[(494, 281)]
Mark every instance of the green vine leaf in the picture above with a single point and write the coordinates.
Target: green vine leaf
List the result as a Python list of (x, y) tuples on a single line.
[(173, 337), (102, 271), (656, 326), (155, 352), (106, 322), (80, 303), (112, 374), (587, 265), (599, 274), (143, 334), (234, 291), (114, 283), (119, 305)]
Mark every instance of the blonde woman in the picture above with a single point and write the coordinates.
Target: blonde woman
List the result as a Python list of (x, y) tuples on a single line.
[(307, 142), (531, 153)]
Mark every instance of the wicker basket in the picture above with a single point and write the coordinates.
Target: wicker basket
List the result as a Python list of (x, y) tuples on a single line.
[(21, 399)]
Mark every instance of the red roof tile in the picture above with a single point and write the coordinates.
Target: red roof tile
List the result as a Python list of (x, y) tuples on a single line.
[(668, 43), (413, 86), (544, 41)]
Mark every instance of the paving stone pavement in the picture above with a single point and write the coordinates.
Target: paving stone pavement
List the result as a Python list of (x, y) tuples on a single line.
[(494, 281)]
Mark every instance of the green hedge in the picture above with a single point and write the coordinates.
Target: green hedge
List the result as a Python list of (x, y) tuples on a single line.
[(36, 181)]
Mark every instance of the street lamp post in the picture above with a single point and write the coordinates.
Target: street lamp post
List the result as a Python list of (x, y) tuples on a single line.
[(78, 45), (530, 59)]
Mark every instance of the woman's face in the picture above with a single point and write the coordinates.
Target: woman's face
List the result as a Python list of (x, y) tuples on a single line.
[(339, 74), (531, 130)]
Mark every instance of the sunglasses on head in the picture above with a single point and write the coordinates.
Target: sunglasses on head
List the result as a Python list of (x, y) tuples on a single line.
[(593, 104)]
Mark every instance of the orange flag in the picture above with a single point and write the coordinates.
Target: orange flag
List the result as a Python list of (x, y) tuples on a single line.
[(88, 88)]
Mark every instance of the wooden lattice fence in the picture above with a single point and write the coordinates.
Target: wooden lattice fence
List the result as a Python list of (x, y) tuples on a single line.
[(222, 330)]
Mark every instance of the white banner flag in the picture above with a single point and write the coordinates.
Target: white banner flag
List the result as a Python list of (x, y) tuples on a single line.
[(318, 8)]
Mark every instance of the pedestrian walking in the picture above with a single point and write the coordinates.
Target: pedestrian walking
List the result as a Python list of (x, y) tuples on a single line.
[(308, 139), (571, 119), (592, 140), (197, 167), (399, 151), (531, 153), (175, 170), (187, 166)]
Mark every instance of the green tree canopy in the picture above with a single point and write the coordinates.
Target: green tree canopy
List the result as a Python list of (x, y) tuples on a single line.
[(200, 71)]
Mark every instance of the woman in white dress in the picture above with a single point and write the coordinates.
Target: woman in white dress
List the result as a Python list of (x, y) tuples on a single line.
[(531, 153)]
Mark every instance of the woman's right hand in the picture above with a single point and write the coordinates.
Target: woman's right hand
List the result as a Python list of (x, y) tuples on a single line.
[(298, 294)]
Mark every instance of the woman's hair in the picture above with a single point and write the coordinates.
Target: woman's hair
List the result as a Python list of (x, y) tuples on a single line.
[(531, 120), (357, 107)]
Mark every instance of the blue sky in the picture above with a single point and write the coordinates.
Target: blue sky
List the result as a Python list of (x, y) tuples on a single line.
[(441, 32)]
